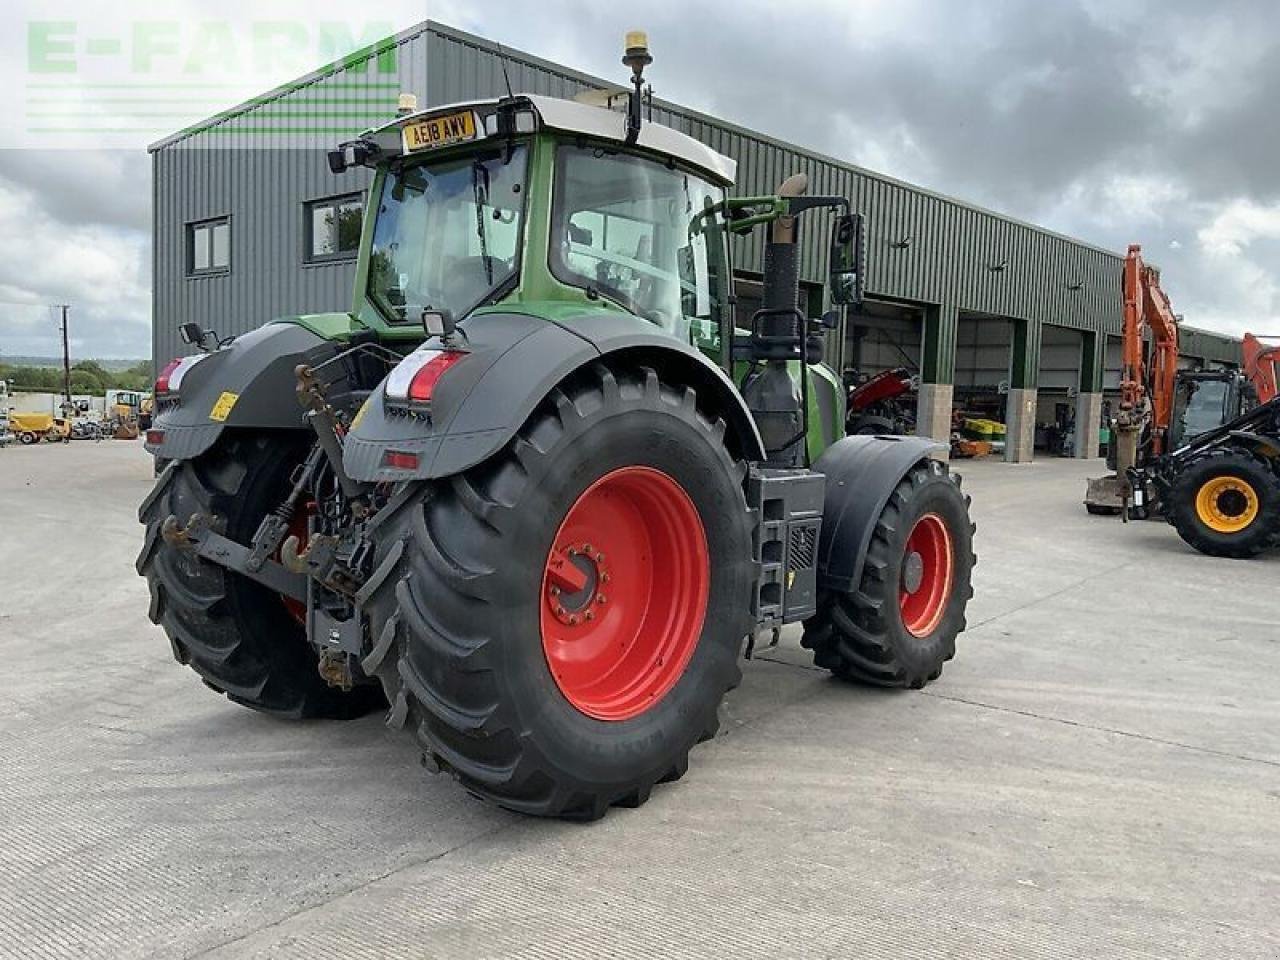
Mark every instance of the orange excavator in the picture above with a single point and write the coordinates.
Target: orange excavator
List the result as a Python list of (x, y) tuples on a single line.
[(1162, 407)]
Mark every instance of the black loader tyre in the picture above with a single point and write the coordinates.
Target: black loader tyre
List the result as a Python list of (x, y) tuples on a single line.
[(863, 635), (460, 596), (237, 635), (1244, 528)]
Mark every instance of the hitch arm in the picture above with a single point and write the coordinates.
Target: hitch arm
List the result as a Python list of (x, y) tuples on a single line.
[(199, 538)]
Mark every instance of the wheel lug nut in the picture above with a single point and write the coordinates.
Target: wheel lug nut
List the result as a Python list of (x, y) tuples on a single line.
[(555, 591), (586, 548), (589, 615), (600, 599), (573, 618)]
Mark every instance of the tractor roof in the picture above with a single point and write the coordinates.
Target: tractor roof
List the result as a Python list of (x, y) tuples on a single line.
[(592, 121)]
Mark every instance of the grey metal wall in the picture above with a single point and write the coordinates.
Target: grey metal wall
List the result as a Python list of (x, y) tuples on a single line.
[(259, 164)]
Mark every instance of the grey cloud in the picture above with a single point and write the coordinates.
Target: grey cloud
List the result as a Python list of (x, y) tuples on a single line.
[(79, 187)]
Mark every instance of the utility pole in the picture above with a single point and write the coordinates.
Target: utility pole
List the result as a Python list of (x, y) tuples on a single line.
[(66, 357)]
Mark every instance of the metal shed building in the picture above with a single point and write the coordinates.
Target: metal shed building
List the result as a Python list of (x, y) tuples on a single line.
[(250, 224)]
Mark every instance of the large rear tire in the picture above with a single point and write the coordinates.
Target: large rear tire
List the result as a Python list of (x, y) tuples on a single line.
[(559, 625), (899, 626), (237, 635), (1227, 504)]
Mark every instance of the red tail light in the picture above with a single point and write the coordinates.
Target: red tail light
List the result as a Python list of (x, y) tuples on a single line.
[(414, 379), (400, 460), (173, 372), (424, 381), (155, 437), (162, 381)]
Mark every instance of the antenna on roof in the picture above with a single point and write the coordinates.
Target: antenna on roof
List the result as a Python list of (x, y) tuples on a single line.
[(637, 57), (502, 59)]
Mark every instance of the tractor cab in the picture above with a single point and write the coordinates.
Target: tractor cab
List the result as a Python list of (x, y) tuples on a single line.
[(535, 200)]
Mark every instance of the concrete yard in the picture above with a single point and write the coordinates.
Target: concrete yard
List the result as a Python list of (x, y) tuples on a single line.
[(1097, 774)]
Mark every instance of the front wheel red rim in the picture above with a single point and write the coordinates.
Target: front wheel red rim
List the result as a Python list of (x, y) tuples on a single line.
[(624, 593), (928, 573)]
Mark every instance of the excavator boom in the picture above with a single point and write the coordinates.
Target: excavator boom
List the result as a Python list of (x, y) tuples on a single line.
[(1147, 308)]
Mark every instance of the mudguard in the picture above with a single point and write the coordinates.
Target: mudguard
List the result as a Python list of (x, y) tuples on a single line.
[(248, 383), (514, 361), (861, 475)]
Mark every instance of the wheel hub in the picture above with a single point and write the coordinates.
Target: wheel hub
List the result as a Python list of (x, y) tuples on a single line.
[(912, 571), (575, 575)]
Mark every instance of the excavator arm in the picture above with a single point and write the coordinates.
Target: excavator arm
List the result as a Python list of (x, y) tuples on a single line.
[(1146, 309)]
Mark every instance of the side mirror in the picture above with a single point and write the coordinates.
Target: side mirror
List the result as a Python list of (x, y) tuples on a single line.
[(191, 333), (357, 153), (847, 263)]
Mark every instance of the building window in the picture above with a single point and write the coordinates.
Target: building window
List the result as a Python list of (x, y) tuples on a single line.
[(333, 228), (209, 247)]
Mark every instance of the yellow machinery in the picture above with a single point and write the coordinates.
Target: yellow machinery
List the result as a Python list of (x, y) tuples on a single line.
[(34, 427), (125, 409)]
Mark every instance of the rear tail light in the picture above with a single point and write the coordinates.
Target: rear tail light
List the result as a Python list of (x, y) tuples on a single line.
[(173, 372), (414, 379), (400, 460), (155, 437)]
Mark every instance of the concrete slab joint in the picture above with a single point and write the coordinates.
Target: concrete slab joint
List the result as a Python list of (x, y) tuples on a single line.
[(1088, 420), (1020, 425), (933, 411)]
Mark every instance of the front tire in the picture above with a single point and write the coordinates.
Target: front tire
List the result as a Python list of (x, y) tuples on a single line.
[(1227, 504), (617, 499), (899, 626), (238, 636)]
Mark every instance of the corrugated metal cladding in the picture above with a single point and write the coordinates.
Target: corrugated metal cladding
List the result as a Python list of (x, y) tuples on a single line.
[(259, 164)]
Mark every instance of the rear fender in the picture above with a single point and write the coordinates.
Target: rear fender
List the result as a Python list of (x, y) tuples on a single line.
[(515, 360), (249, 383), (861, 473)]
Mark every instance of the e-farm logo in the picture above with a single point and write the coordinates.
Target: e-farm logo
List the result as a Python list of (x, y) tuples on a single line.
[(122, 84)]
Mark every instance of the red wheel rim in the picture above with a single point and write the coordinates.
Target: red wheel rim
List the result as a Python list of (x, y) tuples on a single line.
[(928, 570), (624, 593)]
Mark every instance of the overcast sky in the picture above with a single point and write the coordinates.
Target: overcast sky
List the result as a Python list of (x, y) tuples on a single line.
[(1151, 122)]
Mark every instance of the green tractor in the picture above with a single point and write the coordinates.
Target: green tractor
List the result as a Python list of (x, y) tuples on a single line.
[(535, 492)]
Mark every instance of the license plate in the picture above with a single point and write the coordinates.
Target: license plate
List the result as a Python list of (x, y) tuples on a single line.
[(439, 131)]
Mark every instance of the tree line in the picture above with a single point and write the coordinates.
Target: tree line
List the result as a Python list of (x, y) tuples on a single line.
[(87, 376)]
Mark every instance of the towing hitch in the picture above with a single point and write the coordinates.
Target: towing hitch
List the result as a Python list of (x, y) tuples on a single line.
[(198, 537)]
